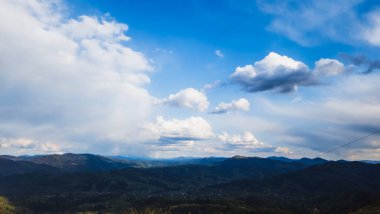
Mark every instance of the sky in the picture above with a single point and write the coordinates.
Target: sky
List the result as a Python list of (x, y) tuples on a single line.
[(195, 78)]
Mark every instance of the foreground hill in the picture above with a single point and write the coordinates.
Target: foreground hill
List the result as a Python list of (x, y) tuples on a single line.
[(6, 207), (370, 209), (333, 187)]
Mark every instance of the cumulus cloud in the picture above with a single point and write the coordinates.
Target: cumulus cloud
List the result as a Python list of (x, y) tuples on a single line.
[(187, 98), (284, 74), (328, 67), (177, 131), (64, 80), (247, 141), (274, 72), (241, 104), (219, 54)]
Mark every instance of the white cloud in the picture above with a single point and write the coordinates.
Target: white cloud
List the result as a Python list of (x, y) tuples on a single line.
[(328, 67), (283, 150), (284, 74), (28, 144), (175, 130), (219, 54), (86, 27), (244, 73), (274, 72), (187, 98), (248, 142), (371, 32), (272, 64), (235, 105), (17, 143), (65, 80)]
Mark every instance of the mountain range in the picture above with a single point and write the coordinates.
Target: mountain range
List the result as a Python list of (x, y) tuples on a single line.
[(72, 183)]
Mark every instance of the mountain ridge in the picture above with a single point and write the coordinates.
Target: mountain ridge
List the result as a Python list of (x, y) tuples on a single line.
[(74, 183)]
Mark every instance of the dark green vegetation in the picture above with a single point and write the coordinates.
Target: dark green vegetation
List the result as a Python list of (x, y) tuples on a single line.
[(73, 183)]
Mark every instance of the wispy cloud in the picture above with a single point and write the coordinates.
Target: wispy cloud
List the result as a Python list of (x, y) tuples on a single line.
[(363, 63), (219, 54), (302, 22)]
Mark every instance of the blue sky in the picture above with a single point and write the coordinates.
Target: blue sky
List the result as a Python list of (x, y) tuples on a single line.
[(195, 78)]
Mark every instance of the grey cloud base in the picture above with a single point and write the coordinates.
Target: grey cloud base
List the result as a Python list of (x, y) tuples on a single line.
[(283, 83)]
